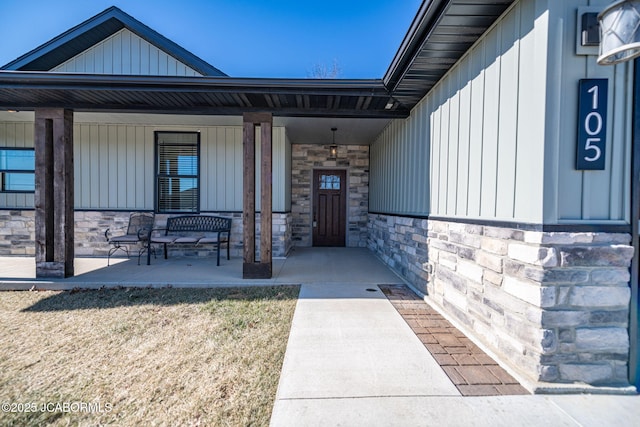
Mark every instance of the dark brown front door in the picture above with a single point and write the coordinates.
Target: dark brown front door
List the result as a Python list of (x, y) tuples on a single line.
[(329, 207)]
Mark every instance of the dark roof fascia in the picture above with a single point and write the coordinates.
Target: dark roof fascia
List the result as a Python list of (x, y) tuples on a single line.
[(430, 12), (127, 21), (41, 80), (30, 90)]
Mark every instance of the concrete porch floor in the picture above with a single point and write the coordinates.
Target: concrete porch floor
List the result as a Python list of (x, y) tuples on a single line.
[(303, 265)]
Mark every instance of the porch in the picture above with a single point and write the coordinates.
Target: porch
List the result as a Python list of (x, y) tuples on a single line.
[(303, 265)]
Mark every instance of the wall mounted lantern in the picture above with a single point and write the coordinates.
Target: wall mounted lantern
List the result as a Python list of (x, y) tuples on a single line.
[(620, 32), (333, 148)]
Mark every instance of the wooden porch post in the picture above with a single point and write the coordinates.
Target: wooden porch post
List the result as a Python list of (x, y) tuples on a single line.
[(53, 144), (252, 269)]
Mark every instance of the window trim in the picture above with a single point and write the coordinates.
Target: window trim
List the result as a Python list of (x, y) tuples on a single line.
[(157, 175), (17, 171)]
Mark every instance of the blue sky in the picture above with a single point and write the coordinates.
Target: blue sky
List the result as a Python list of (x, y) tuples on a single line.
[(243, 38)]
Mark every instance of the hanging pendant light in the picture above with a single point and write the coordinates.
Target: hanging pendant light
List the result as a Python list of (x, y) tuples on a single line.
[(333, 148)]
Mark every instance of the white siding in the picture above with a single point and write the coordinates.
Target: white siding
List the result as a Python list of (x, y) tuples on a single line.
[(471, 122), (479, 108), (502, 128), (125, 53), (583, 196), (399, 168), (221, 168), (18, 135), (281, 171), (115, 166), (287, 173)]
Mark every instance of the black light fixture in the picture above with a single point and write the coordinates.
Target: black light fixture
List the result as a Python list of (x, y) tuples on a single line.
[(620, 32), (333, 148)]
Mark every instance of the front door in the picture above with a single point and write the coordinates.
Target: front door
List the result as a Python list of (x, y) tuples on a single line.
[(329, 207)]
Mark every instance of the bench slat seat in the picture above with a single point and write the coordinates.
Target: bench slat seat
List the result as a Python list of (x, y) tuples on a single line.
[(188, 239), (189, 229), (163, 239)]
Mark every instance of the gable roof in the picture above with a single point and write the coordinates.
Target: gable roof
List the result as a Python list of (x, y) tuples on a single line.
[(441, 33), (94, 30)]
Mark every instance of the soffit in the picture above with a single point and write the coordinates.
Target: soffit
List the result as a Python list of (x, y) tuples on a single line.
[(440, 34)]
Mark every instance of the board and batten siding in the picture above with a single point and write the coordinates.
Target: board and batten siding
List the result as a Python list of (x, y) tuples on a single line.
[(399, 166), (584, 196), (474, 146), (502, 130), (114, 166), (487, 124), (16, 135), (125, 53)]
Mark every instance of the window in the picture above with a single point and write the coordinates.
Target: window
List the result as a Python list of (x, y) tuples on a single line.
[(329, 182), (17, 170), (177, 172)]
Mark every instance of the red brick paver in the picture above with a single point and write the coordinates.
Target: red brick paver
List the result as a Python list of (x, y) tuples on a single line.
[(472, 371)]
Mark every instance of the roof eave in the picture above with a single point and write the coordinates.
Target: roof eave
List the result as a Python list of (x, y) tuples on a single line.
[(412, 41), (367, 98), (440, 34)]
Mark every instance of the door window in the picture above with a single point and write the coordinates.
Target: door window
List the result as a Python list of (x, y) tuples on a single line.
[(329, 182)]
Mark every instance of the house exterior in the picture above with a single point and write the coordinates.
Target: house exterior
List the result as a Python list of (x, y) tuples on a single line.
[(459, 168)]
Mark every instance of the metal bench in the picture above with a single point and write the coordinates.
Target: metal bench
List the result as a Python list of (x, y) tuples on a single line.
[(192, 229)]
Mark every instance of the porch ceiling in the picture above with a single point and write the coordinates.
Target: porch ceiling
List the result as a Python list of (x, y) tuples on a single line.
[(197, 95)]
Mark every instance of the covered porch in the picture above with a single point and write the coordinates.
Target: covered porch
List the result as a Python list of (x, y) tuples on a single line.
[(303, 265), (359, 108)]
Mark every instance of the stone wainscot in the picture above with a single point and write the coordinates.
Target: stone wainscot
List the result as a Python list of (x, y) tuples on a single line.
[(554, 306), (17, 232)]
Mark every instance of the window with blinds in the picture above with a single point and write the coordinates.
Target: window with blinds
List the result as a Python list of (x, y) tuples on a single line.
[(17, 170), (177, 172)]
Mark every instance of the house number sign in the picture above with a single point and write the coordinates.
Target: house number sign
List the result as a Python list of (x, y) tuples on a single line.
[(592, 124)]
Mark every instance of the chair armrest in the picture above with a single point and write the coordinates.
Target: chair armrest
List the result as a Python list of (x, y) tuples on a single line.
[(144, 233)]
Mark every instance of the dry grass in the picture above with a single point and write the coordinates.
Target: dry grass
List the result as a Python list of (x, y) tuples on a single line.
[(147, 356)]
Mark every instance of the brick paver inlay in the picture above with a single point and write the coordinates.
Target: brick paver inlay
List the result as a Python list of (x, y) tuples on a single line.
[(472, 371)]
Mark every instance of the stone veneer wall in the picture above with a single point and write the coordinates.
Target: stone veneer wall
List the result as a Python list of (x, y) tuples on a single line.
[(552, 305), (17, 233), (307, 157)]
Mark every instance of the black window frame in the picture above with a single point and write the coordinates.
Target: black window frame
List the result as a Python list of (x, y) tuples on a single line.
[(159, 176), (3, 172)]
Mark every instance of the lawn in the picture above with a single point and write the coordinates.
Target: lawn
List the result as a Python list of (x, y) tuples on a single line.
[(143, 356)]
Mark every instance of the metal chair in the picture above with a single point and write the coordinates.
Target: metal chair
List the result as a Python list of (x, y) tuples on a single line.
[(138, 230)]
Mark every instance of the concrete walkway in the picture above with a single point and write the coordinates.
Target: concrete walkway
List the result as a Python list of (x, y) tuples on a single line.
[(352, 360)]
